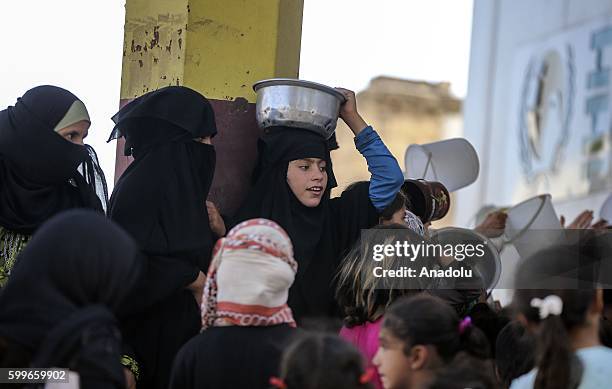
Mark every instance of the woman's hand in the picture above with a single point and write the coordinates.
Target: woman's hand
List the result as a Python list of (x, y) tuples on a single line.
[(130, 380), (582, 221), (197, 287), (493, 225), (348, 112), (602, 224), (217, 225)]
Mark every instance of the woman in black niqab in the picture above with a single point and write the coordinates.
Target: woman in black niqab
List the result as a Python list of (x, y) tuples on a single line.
[(160, 201), (58, 306), (41, 173)]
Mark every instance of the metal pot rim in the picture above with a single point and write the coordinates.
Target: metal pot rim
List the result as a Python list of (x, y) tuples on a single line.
[(293, 82)]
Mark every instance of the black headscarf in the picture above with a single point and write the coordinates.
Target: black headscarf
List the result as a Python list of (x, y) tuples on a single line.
[(38, 168), (160, 198), (272, 198), (320, 234), (69, 281)]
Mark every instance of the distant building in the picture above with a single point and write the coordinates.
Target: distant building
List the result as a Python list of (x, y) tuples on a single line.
[(402, 112)]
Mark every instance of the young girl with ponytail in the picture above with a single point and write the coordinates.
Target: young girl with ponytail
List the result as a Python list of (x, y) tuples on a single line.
[(566, 322), (419, 335)]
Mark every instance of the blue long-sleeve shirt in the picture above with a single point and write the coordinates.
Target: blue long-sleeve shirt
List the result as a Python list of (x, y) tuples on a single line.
[(386, 176)]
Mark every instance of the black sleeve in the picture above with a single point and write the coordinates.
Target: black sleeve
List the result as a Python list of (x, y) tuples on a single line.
[(160, 278), (352, 212)]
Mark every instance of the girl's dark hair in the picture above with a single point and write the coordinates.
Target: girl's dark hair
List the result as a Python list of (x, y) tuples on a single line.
[(427, 320), (362, 296), (398, 203), (400, 200), (605, 325), (558, 366), (605, 332), (489, 321), (515, 352), (465, 372), (607, 298), (322, 361)]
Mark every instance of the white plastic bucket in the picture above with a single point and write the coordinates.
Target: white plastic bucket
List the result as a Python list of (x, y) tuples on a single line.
[(536, 213), (452, 162)]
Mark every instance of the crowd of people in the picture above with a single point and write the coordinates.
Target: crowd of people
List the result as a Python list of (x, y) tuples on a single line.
[(154, 288)]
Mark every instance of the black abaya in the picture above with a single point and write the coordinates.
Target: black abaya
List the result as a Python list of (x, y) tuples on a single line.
[(232, 357), (160, 201)]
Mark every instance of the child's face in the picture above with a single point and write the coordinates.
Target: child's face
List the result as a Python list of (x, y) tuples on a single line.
[(392, 364), (398, 217), (307, 179)]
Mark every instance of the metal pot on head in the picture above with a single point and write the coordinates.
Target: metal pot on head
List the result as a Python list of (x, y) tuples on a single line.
[(299, 104)]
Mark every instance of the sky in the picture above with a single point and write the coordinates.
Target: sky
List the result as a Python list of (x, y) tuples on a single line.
[(348, 42), (78, 44)]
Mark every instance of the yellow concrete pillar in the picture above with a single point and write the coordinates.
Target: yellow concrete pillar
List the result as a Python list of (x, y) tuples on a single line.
[(219, 48)]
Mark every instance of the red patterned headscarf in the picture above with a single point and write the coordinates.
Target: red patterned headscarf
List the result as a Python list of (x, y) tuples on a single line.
[(249, 277)]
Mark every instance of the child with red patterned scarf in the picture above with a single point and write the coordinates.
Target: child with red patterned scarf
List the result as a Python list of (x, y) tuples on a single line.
[(246, 322)]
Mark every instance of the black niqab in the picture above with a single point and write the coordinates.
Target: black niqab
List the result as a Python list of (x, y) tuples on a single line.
[(160, 198), (160, 201), (38, 168), (78, 268), (320, 235)]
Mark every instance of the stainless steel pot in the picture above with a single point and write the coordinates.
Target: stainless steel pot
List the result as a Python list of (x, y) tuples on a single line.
[(297, 103)]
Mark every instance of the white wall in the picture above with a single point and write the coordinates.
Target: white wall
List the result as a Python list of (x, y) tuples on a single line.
[(500, 29)]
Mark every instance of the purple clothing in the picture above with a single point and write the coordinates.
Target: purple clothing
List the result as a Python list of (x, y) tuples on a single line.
[(365, 338)]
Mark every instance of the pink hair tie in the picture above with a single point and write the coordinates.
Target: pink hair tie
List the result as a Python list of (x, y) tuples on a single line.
[(367, 376), (278, 383), (464, 324)]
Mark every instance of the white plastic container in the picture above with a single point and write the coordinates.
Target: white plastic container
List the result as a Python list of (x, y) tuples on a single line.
[(536, 213), (453, 162)]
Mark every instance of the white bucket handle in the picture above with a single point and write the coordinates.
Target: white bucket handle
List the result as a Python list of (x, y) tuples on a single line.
[(429, 162), (524, 229)]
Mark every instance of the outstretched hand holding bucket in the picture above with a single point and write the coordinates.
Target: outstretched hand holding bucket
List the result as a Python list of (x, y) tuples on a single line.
[(452, 162)]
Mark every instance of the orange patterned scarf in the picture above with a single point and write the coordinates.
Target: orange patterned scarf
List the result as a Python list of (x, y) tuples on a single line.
[(249, 277)]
